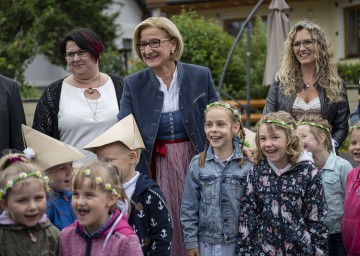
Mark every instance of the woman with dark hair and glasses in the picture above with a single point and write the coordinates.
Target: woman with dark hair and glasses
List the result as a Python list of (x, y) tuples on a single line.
[(78, 108), (168, 100), (308, 82)]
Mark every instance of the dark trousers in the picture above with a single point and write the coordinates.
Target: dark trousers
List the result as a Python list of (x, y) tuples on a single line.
[(336, 246)]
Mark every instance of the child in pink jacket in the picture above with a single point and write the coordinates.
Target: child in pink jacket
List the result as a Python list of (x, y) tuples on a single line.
[(351, 219), (101, 229)]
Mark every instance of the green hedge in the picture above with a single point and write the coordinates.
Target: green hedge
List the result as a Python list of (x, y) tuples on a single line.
[(349, 72)]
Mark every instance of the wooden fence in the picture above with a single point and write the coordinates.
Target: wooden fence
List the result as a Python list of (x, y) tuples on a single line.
[(256, 105)]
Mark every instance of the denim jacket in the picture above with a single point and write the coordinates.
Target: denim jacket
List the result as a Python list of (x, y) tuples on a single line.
[(143, 98), (333, 176), (356, 115), (210, 206)]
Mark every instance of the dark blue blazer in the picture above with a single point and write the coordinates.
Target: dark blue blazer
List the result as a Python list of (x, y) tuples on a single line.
[(142, 98)]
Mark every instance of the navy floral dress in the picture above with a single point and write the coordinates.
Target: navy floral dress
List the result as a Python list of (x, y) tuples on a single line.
[(283, 214)]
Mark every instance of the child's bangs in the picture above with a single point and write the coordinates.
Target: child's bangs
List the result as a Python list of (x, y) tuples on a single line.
[(30, 180), (78, 180)]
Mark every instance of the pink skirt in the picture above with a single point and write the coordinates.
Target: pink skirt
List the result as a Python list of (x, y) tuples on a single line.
[(171, 171)]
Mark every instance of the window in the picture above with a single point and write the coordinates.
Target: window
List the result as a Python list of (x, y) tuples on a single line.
[(126, 49), (352, 31), (233, 26)]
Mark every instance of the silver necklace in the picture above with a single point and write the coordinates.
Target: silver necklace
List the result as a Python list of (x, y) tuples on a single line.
[(91, 90), (95, 115)]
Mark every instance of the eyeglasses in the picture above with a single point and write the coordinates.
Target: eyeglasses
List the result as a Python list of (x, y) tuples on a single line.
[(155, 43), (80, 53), (306, 43)]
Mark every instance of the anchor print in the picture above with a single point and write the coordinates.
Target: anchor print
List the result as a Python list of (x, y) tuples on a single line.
[(153, 223), (153, 246), (134, 228), (141, 214), (161, 206), (148, 200), (163, 233)]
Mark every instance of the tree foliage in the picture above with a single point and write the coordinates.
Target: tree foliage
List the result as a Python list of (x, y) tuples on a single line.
[(207, 44), (349, 72), (31, 27), (257, 61)]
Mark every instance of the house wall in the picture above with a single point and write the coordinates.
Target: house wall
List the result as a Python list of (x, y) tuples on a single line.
[(129, 17), (40, 72)]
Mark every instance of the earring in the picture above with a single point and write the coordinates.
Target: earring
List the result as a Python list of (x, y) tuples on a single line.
[(172, 51)]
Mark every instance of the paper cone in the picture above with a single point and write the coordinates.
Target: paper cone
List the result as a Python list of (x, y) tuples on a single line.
[(125, 131), (49, 152)]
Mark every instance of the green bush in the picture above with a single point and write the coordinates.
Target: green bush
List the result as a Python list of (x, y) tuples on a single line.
[(30, 92), (112, 62), (345, 146), (349, 72), (208, 45)]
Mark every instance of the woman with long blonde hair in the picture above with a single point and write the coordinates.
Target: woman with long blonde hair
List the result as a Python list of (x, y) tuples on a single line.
[(308, 82)]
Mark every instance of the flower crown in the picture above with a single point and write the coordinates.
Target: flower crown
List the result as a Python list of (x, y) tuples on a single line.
[(316, 125), (234, 111), (354, 127), (274, 121), (23, 176), (99, 181)]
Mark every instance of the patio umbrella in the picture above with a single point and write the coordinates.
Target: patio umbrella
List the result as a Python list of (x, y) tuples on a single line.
[(278, 28)]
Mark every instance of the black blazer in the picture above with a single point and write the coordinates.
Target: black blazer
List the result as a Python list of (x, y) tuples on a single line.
[(337, 114), (11, 115)]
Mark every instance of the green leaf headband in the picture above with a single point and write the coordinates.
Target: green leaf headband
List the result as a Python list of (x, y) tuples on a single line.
[(23, 176), (274, 121), (99, 181), (234, 111), (354, 127), (316, 125)]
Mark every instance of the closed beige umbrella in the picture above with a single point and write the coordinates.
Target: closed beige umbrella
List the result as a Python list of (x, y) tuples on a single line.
[(278, 28)]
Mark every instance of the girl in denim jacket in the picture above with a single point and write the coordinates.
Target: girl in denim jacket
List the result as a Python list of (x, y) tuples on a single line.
[(284, 207), (214, 185), (315, 133)]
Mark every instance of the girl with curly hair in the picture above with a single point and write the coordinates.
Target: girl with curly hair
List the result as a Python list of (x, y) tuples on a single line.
[(284, 205)]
